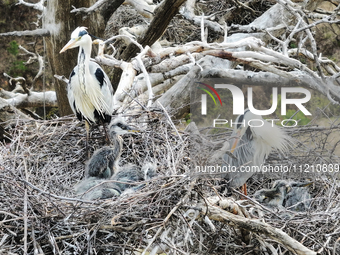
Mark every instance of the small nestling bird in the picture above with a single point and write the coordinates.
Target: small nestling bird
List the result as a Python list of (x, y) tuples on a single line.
[(290, 194), (96, 188), (128, 175), (104, 161), (89, 89), (275, 196), (126, 179), (298, 198)]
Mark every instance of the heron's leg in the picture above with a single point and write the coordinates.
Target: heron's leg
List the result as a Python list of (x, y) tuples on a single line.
[(107, 139), (87, 127), (244, 189)]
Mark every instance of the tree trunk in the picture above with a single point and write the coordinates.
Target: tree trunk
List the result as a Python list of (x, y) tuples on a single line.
[(163, 15), (61, 23), (109, 8)]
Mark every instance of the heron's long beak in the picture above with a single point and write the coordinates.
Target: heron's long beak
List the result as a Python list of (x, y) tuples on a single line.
[(69, 45), (305, 184), (238, 136), (133, 131)]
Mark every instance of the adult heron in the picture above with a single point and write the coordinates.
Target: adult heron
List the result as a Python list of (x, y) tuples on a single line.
[(253, 140), (89, 89)]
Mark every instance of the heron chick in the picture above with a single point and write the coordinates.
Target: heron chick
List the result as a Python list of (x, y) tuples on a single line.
[(298, 198), (126, 179), (290, 194), (273, 197), (129, 175), (103, 163), (95, 188), (89, 89), (253, 140)]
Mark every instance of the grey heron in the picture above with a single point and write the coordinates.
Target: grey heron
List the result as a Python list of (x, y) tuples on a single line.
[(275, 196), (127, 178), (103, 163), (89, 89), (96, 188), (129, 174), (253, 140), (298, 198), (289, 194)]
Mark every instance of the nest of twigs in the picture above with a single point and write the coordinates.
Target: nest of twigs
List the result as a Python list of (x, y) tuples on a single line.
[(40, 213)]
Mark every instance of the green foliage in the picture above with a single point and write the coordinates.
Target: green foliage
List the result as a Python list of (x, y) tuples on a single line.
[(188, 118), (13, 48), (292, 45), (319, 101), (17, 68), (52, 113), (299, 117), (7, 3)]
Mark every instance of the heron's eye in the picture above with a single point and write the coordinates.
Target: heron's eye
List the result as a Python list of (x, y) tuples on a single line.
[(122, 126), (81, 33)]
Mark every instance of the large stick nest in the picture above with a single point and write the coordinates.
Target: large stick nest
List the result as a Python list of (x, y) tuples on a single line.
[(41, 214)]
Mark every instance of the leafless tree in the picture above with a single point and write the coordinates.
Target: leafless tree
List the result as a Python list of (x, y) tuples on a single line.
[(147, 65)]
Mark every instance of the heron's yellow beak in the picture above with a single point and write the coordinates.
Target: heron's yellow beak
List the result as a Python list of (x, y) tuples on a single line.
[(69, 45), (306, 184), (238, 136), (134, 131)]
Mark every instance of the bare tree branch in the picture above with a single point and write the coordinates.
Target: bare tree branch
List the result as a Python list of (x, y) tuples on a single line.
[(91, 9), (38, 6), (33, 99), (216, 213), (36, 32)]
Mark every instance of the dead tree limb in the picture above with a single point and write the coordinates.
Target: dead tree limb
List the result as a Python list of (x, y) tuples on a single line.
[(216, 213), (32, 99), (163, 15), (36, 32), (9, 112)]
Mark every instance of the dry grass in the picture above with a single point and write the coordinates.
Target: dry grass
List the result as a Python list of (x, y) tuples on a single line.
[(40, 212)]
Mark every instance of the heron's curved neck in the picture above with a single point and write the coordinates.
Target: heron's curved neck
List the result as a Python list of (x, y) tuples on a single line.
[(117, 142), (83, 62)]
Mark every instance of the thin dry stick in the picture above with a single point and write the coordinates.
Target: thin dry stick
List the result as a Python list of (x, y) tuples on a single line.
[(218, 214), (335, 244), (25, 210), (55, 196), (169, 215), (146, 75), (170, 121)]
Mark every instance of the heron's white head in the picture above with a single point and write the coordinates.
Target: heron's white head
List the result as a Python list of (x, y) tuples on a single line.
[(79, 37)]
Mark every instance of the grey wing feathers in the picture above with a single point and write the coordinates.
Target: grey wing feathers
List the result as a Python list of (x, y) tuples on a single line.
[(243, 156), (94, 188)]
